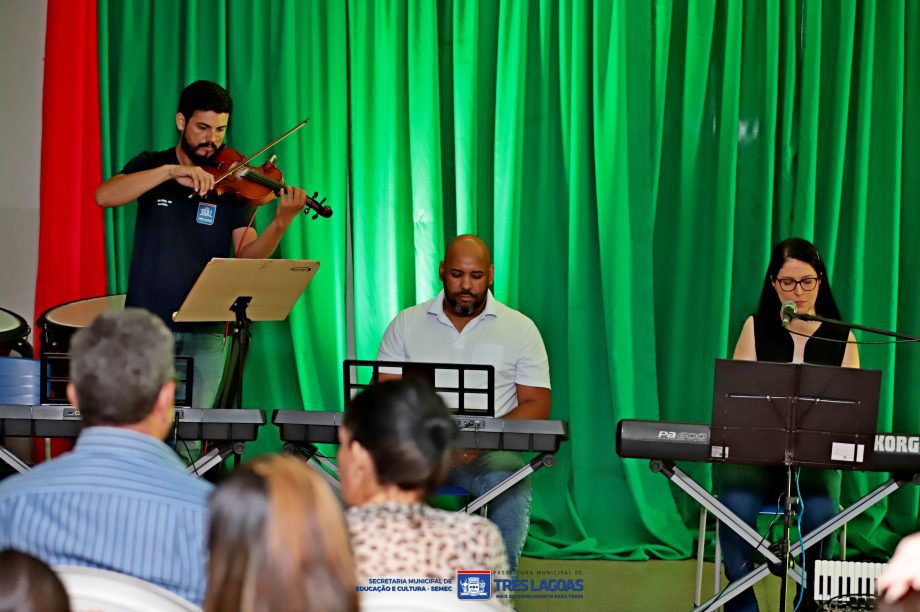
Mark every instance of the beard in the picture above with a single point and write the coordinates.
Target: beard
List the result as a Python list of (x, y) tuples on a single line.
[(193, 151), (461, 309)]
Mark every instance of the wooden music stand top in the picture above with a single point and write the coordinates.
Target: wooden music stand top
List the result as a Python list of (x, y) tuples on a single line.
[(274, 285)]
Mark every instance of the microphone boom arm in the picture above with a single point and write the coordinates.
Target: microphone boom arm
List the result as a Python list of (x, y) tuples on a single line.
[(873, 330)]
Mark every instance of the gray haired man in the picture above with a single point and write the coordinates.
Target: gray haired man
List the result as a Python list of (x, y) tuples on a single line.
[(121, 500)]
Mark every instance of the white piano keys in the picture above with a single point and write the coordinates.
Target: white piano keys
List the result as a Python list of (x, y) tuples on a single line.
[(840, 580)]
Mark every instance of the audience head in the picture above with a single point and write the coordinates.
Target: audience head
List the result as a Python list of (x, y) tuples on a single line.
[(396, 434), (27, 584), (797, 273), (121, 372), (278, 542)]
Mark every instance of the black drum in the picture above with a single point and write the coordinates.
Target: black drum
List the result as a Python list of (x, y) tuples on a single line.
[(14, 334), (59, 323)]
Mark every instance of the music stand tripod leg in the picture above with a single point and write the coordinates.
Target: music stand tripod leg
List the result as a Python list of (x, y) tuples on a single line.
[(244, 334)]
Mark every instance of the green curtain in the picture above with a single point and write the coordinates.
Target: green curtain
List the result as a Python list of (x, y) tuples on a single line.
[(630, 162)]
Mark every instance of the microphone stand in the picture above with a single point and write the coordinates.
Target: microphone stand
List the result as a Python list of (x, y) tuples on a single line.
[(874, 330)]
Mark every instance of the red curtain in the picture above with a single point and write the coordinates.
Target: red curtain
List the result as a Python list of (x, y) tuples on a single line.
[(71, 251)]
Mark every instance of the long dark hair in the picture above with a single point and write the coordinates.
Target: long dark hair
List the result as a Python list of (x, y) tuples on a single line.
[(804, 251), (407, 430), (278, 542)]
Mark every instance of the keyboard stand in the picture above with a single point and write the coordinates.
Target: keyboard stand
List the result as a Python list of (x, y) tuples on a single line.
[(310, 454), (330, 472), (760, 543), (218, 453), (12, 460), (542, 460)]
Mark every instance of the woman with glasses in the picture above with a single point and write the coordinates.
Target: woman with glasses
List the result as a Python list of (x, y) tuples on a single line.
[(796, 273)]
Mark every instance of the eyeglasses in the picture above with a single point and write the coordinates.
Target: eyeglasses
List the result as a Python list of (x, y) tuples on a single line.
[(809, 283)]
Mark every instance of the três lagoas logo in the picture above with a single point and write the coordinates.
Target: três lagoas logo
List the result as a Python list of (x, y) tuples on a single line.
[(539, 585)]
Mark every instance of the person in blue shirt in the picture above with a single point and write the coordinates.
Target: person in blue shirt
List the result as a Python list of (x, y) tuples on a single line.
[(121, 500)]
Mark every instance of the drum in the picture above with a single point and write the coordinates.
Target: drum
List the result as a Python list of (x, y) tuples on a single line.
[(14, 333), (59, 323)]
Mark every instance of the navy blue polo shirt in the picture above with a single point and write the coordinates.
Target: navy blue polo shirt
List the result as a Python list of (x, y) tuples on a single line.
[(174, 238)]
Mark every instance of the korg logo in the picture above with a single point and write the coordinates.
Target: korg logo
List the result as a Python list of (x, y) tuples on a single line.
[(897, 444), (683, 436)]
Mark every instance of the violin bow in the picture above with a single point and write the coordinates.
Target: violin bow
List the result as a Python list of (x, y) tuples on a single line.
[(247, 159)]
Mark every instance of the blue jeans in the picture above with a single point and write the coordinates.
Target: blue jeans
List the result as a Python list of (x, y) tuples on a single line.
[(207, 351), (510, 511), (744, 489)]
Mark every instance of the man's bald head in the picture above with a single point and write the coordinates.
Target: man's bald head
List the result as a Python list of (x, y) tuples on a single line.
[(466, 272), (469, 244)]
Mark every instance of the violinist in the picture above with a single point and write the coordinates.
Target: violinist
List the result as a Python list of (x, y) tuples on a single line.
[(182, 222)]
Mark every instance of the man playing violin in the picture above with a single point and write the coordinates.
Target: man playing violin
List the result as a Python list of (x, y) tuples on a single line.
[(175, 236)]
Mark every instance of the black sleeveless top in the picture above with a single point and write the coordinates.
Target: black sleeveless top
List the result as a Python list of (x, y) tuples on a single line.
[(773, 343)]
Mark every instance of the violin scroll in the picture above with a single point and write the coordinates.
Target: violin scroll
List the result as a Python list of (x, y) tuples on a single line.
[(317, 206)]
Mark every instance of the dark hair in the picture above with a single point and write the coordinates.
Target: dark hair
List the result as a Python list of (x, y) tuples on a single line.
[(27, 584), (204, 96), (407, 430), (278, 541), (804, 251), (119, 364)]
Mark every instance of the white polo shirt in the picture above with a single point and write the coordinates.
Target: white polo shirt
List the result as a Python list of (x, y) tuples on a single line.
[(499, 336)]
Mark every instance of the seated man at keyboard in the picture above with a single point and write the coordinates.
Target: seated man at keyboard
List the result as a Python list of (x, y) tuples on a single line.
[(465, 324), (121, 500)]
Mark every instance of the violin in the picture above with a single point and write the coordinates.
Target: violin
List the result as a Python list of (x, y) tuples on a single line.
[(256, 185)]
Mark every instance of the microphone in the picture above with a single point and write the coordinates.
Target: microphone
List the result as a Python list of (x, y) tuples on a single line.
[(789, 311)]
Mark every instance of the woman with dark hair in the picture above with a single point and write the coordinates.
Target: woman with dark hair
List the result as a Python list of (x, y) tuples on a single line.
[(796, 273), (394, 449), (278, 542), (27, 584)]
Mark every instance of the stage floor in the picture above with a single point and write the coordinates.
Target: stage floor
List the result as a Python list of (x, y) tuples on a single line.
[(630, 586)]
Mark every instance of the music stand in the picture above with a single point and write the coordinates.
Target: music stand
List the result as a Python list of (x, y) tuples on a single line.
[(467, 389), (243, 291), (793, 415)]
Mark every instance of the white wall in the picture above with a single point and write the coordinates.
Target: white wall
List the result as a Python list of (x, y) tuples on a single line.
[(22, 51)]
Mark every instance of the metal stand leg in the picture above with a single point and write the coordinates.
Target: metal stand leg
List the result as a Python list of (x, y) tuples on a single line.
[(12, 460), (707, 500), (326, 468), (543, 460), (214, 457)]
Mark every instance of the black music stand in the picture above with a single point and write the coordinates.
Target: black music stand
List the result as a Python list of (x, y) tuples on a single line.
[(467, 389), (790, 415), (243, 291)]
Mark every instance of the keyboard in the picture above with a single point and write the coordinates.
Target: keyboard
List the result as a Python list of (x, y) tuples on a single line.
[(846, 583), (486, 433), (64, 421)]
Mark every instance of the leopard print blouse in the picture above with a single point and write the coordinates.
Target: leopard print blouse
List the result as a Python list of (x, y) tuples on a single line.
[(393, 539)]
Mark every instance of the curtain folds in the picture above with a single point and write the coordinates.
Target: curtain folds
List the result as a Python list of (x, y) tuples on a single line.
[(631, 164)]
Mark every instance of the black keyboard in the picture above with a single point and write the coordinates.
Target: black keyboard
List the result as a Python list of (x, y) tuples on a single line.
[(62, 421), (486, 433), (691, 442)]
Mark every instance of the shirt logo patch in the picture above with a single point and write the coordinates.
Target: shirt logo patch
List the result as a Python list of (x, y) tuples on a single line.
[(206, 213), (163, 202)]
